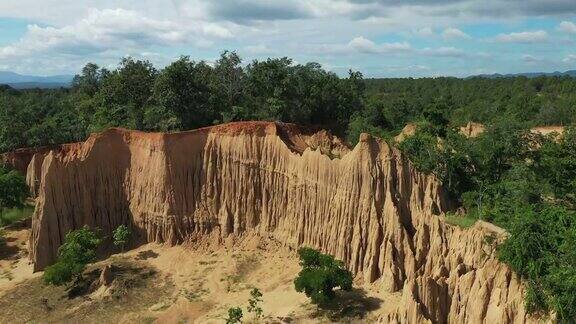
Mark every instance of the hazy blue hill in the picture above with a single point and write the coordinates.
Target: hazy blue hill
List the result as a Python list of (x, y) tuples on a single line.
[(20, 81), (571, 73)]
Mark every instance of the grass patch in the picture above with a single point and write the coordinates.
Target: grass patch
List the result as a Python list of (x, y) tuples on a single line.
[(135, 288), (462, 221), (10, 216)]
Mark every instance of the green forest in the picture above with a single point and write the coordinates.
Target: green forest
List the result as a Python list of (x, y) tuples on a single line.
[(519, 180)]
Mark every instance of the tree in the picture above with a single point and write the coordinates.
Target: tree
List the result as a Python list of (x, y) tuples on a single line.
[(229, 80), (435, 113), (557, 163), (124, 94), (13, 190), (78, 250), (254, 303), (320, 274), (121, 235), (541, 248), (183, 89), (88, 82), (234, 315)]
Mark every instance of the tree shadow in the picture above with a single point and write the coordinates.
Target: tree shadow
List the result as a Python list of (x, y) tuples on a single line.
[(145, 255), (20, 224), (354, 304), (124, 276), (9, 252)]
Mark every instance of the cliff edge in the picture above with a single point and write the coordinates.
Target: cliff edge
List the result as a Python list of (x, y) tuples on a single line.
[(367, 206)]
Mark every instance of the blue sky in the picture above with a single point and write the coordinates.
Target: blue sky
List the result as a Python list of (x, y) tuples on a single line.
[(380, 38)]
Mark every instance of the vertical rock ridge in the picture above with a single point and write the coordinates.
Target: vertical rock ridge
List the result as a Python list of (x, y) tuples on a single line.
[(366, 206)]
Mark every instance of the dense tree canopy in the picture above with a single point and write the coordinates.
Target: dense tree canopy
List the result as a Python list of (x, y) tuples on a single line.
[(523, 182), (537, 101), (184, 95), (188, 94)]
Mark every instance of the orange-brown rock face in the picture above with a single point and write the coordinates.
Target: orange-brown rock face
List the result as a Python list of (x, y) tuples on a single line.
[(20, 158), (34, 173), (367, 206)]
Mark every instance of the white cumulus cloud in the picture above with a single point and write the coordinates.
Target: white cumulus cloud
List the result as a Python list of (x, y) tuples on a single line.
[(365, 45), (523, 37), (109, 29), (570, 58), (454, 33), (567, 27)]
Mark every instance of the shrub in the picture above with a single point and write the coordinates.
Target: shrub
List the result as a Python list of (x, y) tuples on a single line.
[(320, 274), (13, 190), (254, 303), (234, 315), (121, 235), (78, 250)]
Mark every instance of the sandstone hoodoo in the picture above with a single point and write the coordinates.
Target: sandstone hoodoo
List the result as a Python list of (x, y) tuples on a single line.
[(367, 206)]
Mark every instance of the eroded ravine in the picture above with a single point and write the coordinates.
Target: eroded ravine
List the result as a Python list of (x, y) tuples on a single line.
[(367, 206)]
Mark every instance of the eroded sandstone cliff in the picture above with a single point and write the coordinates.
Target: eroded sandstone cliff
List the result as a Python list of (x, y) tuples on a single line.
[(20, 159), (367, 206)]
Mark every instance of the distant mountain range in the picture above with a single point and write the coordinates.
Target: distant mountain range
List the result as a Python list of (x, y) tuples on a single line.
[(19, 81), (571, 73)]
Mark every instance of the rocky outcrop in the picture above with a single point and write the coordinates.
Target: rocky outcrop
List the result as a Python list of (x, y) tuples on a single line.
[(34, 173), (367, 206), (556, 132), (461, 281), (20, 159), (408, 131), (472, 129)]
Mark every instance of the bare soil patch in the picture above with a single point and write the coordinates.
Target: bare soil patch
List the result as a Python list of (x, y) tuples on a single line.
[(184, 284)]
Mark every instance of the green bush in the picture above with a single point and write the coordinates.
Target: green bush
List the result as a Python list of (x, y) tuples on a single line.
[(121, 235), (234, 315), (542, 249), (254, 303), (13, 193), (78, 250), (320, 274)]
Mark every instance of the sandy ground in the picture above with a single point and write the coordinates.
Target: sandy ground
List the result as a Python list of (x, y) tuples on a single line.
[(14, 265), (191, 285)]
